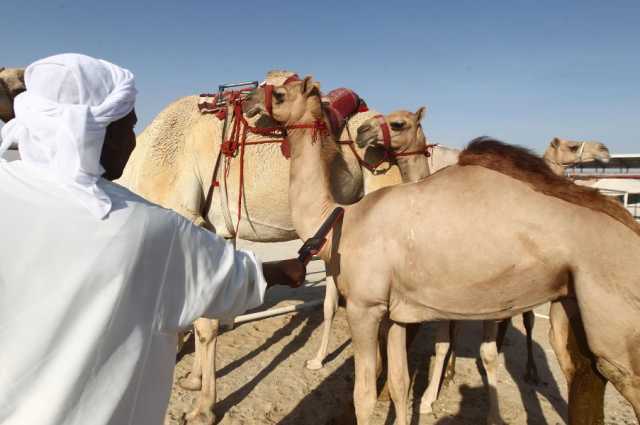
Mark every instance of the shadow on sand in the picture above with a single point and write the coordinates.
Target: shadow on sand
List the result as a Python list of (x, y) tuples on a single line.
[(331, 402)]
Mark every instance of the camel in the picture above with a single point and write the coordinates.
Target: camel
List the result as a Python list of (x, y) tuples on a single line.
[(172, 165), (426, 261), (11, 85), (559, 151), (406, 135)]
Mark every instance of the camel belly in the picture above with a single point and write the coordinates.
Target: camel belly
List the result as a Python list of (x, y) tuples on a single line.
[(499, 292)]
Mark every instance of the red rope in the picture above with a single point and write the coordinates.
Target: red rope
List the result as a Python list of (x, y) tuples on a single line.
[(238, 142)]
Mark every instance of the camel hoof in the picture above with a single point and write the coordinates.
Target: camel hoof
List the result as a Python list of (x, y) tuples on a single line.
[(199, 417), (190, 383), (314, 364)]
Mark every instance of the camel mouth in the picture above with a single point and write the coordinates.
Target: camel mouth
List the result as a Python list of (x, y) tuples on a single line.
[(364, 140), (254, 110)]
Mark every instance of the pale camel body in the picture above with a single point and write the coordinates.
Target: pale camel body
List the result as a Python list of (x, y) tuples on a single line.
[(405, 135), (564, 250), (11, 84), (173, 164)]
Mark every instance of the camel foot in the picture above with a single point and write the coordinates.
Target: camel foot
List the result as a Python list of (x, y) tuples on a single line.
[(426, 407), (190, 383), (199, 417), (314, 364)]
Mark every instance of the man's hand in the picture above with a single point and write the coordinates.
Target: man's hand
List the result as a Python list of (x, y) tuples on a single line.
[(286, 272)]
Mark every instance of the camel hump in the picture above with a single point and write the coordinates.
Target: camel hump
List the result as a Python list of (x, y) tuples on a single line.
[(522, 164), (342, 104)]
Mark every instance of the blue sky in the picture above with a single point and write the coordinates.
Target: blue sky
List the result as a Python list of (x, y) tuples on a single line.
[(523, 71)]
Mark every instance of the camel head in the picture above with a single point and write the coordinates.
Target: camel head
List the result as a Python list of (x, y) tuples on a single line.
[(397, 139), (567, 152), (403, 127), (287, 103), (11, 85)]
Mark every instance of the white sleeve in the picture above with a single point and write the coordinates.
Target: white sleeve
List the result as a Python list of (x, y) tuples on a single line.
[(206, 277)]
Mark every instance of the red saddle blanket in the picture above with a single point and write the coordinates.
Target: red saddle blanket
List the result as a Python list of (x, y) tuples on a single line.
[(341, 104)]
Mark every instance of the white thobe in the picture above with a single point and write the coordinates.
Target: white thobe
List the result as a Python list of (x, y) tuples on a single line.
[(89, 308)]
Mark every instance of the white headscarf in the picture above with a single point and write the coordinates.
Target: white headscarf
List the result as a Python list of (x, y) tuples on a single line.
[(62, 118)]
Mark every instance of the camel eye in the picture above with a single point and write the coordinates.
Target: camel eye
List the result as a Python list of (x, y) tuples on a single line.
[(397, 125), (279, 97), (574, 148)]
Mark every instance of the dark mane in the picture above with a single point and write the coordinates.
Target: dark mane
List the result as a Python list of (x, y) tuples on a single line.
[(522, 164)]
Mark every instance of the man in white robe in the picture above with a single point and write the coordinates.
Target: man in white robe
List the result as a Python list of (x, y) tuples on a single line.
[(95, 282)]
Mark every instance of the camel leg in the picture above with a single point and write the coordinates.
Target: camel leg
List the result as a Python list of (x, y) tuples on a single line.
[(529, 318), (364, 323), (586, 386), (398, 371), (202, 414), (193, 381), (503, 327), (450, 372), (330, 308), (442, 348), (412, 332), (490, 360)]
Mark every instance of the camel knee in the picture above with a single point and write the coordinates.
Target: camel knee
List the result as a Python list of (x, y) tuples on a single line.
[(206, 330)]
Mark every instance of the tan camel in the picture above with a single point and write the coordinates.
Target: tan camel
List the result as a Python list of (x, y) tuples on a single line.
[(556, 242), (172, 165), (563, 153), (407, 135), (11, 84)]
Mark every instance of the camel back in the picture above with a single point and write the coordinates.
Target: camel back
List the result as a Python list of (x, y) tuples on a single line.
[(523, 165)]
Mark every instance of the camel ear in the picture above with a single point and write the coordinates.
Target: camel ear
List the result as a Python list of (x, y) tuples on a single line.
[(420, 113), (310, 87), (555, 142)]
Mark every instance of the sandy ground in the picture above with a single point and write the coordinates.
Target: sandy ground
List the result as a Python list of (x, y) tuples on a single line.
[(262, 378)]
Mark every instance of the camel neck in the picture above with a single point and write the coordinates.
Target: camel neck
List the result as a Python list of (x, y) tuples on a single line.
[(413, 168), (555, 166), (309, 185)]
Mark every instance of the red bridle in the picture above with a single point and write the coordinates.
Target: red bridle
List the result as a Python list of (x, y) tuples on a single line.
[(391, 155), (268, 93)]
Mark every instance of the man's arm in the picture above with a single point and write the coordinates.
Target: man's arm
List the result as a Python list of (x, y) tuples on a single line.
[(206, 277)]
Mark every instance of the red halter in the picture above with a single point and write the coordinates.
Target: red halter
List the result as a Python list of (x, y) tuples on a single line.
[(268, 93), (389, 154)]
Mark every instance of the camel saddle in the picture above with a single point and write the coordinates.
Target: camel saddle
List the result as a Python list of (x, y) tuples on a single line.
[(341, 104)]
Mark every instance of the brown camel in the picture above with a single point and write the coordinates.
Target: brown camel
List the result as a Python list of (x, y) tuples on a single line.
[(556, 243), (11, 85), (172, 165)]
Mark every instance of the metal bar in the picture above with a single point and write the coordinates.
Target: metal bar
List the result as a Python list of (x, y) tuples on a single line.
[(604, 176), (222, 87), (277, 311)]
